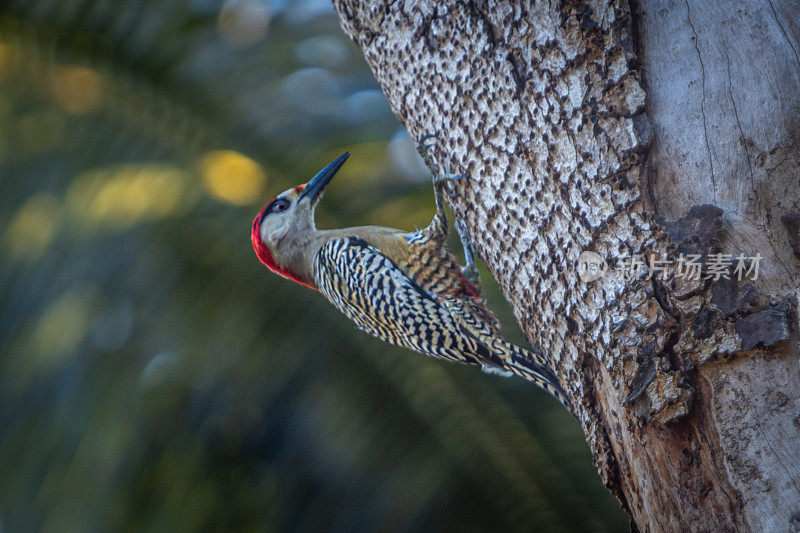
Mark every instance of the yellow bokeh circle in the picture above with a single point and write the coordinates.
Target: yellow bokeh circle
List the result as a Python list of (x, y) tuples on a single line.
[(232, 177)]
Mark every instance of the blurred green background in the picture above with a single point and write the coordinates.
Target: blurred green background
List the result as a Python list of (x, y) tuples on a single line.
[(153, 375)]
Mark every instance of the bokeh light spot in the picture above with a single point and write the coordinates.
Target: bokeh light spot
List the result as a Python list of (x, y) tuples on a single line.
[(33, 227), (243, 23), (322, 51), (159, 368), (121, 196), (232, 177), (62, 327), (77, 90)]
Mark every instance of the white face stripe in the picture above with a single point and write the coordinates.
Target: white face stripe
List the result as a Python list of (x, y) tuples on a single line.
[(275, 226)]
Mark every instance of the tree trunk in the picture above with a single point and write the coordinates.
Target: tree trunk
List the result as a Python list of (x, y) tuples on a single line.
[(688, 390)]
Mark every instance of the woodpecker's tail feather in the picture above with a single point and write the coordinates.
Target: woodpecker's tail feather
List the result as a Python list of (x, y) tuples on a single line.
[(542, 377), (530, 367)]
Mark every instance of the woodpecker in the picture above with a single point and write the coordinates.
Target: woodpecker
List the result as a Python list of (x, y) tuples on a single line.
[(404, 288)]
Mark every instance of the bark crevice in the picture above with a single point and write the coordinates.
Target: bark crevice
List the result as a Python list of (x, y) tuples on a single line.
[(703, 99)]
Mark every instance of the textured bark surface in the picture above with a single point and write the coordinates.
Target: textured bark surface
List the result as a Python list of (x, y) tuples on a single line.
[(688, 391)]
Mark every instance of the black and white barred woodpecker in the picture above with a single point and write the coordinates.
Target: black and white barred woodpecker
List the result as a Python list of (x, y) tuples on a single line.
[(405, 288)]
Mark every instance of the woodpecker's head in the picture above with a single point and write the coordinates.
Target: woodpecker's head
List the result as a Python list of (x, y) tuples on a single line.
[(283, 229)]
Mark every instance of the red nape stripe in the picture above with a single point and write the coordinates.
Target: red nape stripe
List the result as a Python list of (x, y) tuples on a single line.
[(265, 256)]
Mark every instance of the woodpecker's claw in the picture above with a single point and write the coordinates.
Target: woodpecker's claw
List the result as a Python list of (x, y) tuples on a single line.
[(470, 271), (439, 178), (425, 153), (422, 148), (438, 227)]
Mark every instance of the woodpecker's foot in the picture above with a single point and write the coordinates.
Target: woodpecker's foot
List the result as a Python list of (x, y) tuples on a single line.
[(424, 150), (470, 271), (441, 178), (421, 146)]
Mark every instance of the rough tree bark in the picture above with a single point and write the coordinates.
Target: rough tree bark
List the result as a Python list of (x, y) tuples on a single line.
[(658, 127)]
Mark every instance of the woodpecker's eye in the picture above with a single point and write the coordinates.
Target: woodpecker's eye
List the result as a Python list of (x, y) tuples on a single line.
[(280, 205)]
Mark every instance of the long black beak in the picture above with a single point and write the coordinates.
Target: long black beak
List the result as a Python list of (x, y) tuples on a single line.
[(323, 177)]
